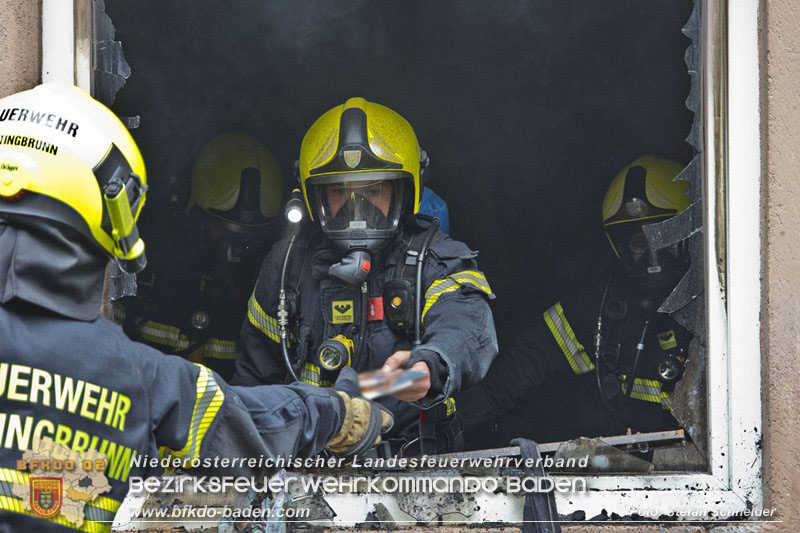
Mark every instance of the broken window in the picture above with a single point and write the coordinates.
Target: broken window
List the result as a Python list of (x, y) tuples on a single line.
[(527, 110)]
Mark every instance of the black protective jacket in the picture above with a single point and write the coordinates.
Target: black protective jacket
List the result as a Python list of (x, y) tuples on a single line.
[(193, 305), (545, 386), (459, 340), (70, 377)]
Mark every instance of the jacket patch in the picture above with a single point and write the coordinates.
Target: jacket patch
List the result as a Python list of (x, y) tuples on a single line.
[(342, 311), (375, 309), (667, 340)]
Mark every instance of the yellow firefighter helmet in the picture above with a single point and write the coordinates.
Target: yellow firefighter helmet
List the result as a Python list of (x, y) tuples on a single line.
[(237, 180), (67, 158), (644, 191), (360, 141)]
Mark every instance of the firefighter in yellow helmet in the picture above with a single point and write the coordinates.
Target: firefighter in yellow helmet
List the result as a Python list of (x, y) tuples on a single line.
[(194, 302), (368, 284), (238, 184), (72, 186), (559, 367)]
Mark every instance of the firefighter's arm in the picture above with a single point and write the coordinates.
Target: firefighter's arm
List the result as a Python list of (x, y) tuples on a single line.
[(512, 378), (459, 341), (195, 414), (550, 350)]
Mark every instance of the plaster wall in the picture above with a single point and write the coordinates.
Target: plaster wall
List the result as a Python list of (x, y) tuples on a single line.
[(20, 52), (780, 117)]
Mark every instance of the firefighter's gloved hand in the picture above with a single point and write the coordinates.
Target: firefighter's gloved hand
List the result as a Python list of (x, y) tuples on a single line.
[(364, 421)]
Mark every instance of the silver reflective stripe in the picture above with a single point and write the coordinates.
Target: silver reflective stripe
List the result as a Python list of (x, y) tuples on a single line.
[(565, 338), (163, 334), (261, 320), (220, 349)]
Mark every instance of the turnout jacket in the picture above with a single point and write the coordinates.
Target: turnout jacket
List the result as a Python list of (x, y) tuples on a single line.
[(458, 341), (556, 357), (193, 307), (72, 379)]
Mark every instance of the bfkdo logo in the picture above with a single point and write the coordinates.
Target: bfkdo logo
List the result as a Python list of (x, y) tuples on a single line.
[(46, 495)]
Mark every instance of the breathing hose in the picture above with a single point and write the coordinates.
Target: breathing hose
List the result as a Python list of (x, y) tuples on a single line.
[(283, 313)]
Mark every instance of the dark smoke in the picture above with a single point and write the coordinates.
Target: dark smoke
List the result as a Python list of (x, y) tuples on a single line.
[(527, 108)]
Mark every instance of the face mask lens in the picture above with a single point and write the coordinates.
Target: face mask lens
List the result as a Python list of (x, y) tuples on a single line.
[(360, 205), (637, 245), (654, 271)]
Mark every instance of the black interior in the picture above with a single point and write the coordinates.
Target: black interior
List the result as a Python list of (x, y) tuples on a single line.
[(526, 108)]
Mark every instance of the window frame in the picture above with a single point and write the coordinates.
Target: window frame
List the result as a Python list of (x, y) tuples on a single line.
[(732, 193)]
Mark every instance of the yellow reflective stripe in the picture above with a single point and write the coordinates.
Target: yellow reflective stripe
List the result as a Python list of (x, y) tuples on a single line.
[(261, 320), (433, 297), (452, 283), (666, 401), (565, 338), (206, 406), (310, 374), (220, 349), (437, 283), (107, 504), (164, 334), (473, 277), (117, 312), (172, 337), (8, 503), (450, 404), (648, 390), (14, 476)]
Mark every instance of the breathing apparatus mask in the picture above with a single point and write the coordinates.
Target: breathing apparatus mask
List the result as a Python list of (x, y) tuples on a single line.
[(242, 228), (646, 192), (359, 213), (229, 243), (653, 273)]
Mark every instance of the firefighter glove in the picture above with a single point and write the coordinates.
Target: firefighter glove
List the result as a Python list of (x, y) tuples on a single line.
[(364, 421)]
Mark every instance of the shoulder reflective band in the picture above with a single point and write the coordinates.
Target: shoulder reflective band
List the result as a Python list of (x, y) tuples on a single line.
[(562, 332), (206, 406), (98, 513), (453, 282), (649, 390), (261, 320), (310, 374)]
